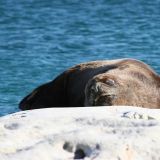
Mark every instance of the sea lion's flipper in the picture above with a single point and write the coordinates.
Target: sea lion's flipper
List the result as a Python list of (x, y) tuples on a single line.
[(51, 94)]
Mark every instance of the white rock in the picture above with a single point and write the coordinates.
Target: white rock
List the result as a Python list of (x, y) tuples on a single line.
[(91, 133)]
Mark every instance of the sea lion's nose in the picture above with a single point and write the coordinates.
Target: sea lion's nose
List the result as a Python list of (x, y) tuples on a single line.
[(96, 87)]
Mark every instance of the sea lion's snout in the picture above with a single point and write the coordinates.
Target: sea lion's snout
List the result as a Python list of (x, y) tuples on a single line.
[(100, 92), (96, 88)]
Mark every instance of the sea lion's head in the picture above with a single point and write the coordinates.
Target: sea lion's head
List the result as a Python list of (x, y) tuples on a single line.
[(108, 90)]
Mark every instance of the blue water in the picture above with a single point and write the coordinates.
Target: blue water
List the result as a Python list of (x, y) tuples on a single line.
[(41, 38)]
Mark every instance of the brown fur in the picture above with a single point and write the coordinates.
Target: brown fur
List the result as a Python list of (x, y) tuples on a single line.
[(97, 83)]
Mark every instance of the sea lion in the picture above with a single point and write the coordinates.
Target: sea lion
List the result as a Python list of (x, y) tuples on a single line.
[(99, 83)]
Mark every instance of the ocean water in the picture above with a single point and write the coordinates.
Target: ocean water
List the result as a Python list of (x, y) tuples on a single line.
[(41, 38)]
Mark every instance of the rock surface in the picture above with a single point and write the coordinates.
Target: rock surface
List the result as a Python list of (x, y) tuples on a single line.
[(91, 133)]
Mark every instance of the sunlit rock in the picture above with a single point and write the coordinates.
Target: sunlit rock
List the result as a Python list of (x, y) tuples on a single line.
[(99, 133)]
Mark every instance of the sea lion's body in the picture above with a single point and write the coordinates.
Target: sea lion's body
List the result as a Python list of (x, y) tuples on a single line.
[(97, 83)]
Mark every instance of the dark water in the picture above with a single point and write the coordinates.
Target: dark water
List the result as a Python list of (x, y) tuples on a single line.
[(39, 39)]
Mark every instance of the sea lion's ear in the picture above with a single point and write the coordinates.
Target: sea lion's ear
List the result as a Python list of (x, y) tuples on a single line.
[(110, 82)]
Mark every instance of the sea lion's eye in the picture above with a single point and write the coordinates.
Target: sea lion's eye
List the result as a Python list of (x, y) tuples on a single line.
[(110, 82)]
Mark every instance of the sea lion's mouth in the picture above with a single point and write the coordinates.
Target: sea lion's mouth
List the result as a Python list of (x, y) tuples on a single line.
[(104, 100)]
